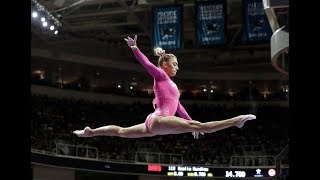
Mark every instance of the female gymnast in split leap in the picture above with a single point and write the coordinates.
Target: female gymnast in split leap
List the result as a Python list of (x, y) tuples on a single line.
[(162, 121)]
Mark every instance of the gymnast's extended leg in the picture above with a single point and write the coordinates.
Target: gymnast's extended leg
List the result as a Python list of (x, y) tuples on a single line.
[(136, 131), (175, 125)]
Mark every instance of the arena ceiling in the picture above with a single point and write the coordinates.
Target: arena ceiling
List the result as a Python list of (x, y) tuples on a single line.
[(96, 28)]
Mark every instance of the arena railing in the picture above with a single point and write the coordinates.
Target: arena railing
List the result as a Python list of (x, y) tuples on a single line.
[(236, 161), (160, 158), (77, 151)]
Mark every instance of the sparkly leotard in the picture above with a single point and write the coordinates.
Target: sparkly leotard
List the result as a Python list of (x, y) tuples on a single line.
[(166, 91)]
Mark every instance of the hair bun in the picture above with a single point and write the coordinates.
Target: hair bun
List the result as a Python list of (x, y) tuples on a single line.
[(158, 51)]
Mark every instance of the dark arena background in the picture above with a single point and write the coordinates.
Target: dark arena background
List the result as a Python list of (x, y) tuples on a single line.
[(233, 59)]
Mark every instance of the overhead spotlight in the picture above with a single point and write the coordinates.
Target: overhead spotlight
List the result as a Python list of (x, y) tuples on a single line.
[(34, 14), (48, 21), (49, 16)]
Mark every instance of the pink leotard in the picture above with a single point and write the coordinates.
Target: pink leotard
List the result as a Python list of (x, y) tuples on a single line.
[(165, 90)]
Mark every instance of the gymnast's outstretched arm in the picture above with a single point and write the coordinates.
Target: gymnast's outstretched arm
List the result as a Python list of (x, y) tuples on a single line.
[(154, 71)]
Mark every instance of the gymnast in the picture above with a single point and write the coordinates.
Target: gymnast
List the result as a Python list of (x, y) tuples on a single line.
[(162, 121)]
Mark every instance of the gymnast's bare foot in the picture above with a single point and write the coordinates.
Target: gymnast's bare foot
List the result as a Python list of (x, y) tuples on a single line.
[(87, 132), (239, 122)]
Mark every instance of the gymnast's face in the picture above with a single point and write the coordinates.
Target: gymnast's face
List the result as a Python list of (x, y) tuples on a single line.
[(171, 67)]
